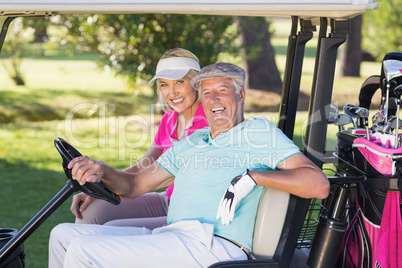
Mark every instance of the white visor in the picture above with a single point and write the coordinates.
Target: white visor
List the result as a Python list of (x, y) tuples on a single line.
[(174, 68)]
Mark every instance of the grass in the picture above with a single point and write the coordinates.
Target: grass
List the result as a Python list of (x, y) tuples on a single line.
[(54, 87), (108, 122), (102, 125), (32, 172)]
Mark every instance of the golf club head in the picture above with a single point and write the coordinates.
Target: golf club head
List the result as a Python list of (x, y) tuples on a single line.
[(392, 69), (398, 91), (377, 128), (390, 122), (343, 119), (333, 114), (348, 106), (333, 111), (394, 120), (379, 117), (357, 112)]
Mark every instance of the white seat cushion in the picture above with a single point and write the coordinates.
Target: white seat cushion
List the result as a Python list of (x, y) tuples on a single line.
[(271, 216)]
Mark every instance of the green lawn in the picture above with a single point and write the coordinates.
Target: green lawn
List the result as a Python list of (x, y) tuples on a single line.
[(74, 99), (32, 172)]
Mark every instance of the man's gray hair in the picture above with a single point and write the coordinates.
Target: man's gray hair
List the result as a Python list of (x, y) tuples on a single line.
[(220, 70)]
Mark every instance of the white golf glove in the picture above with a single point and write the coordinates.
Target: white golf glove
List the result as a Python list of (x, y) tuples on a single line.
[(240, 187)]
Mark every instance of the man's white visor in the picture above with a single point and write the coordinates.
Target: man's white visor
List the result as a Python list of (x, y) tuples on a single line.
[(174, 68)]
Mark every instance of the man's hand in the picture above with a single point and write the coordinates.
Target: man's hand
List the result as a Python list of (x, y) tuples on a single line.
[(85, 169), (80, 203), (240, 187)]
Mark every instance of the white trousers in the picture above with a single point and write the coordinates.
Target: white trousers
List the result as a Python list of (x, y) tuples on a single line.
[(182, 244)]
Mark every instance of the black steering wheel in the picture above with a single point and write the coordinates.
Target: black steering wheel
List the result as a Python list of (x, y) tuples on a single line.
[(94, 189)]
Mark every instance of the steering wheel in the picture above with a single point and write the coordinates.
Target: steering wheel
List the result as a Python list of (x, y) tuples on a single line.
[(94, 189)]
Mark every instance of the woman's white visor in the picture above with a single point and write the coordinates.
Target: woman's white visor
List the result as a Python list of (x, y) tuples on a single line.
[(174, 68)]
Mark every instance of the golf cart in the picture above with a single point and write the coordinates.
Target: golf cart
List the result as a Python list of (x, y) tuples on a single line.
[(275, 237)]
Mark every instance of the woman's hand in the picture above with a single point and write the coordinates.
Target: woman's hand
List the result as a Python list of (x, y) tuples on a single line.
[(80, 203)]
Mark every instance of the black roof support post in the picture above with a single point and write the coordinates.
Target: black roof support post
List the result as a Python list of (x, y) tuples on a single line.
[(292, 76), (321, 92), (4, 30)]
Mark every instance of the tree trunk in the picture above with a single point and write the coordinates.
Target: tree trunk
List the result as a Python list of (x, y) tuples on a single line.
[(41, 35), (350, 56), (258, 54)]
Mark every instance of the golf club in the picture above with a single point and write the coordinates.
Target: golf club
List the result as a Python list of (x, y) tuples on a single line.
[(398, 93), (392, 70), (361, 114), (343, 119)]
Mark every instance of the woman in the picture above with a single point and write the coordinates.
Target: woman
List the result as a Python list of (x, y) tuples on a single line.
[(183, 115)]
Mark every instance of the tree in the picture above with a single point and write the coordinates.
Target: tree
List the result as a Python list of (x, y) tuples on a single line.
[(258, 54), (17, 39), (39, 24), (382, 29), (133, 44), (350, 55)]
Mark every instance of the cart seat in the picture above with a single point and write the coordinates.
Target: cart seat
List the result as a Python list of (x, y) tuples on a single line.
[(280, 217)]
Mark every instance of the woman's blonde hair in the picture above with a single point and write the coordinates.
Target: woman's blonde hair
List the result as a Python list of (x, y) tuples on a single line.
[(171, 53)]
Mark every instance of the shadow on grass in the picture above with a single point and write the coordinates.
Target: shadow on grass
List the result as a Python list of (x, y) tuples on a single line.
[(23, 192), (40, 105)]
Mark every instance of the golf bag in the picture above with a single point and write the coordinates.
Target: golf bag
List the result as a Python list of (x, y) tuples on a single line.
[(16, 259), (375, 158), (374, 235)]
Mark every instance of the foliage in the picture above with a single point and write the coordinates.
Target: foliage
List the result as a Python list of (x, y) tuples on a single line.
[(382, 29), (17, 38), (39, 24), (133, 44)]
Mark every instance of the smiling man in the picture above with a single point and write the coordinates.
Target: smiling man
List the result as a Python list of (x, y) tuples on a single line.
[(219, 174)]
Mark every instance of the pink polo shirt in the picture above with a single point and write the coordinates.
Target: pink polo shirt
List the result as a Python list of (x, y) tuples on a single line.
[(167, 132)]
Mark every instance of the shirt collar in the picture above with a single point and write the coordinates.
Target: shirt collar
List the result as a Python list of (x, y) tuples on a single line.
[(199, 114), (238, 127)]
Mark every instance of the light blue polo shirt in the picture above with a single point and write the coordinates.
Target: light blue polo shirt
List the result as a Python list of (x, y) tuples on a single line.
[(204, 167)]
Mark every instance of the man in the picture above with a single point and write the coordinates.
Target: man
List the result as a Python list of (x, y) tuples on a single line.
[(218, 174)]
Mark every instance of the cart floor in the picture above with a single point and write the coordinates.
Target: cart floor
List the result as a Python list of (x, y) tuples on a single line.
[(299, 259)]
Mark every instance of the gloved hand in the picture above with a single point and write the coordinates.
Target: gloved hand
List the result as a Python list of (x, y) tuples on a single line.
[(240, 187)]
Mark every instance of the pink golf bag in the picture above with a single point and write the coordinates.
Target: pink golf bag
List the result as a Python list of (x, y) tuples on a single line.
[(374, 235), (376, 156)]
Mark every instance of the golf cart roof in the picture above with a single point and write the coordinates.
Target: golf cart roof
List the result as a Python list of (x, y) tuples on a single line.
[(268, 8)]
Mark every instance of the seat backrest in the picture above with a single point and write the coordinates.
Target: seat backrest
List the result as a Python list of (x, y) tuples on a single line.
[(270, 218), (280, 218)]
